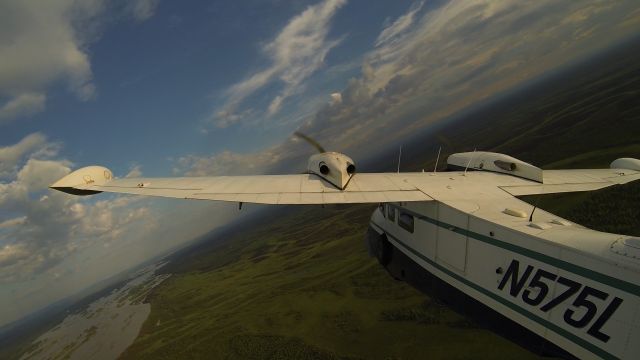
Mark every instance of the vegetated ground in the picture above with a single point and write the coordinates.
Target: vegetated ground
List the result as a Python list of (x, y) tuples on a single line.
[(303, 287), (299, 284)]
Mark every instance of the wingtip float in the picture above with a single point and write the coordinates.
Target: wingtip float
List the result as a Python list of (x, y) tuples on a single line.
[(75, 183)]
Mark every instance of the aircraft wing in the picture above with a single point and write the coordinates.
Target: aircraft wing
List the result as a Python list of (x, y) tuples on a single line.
[(332, 180), (263, 189), (559, 181)]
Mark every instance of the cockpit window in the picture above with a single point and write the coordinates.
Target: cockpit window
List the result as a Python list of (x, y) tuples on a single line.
[(405, 221)]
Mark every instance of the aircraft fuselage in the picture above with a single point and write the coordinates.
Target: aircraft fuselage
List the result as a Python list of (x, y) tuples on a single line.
[(585, 304)]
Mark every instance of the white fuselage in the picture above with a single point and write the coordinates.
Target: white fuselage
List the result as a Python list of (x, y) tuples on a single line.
[(582, 302)]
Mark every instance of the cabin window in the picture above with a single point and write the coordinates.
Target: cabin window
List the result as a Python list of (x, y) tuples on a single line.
[(381, 208), (391, 213), (406, 221)]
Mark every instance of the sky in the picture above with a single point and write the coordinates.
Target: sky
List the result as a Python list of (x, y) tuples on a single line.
[(203, 88)]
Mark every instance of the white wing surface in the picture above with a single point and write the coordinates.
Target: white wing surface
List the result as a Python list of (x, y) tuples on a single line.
[(332, 180), (266, 189), (559, 181)]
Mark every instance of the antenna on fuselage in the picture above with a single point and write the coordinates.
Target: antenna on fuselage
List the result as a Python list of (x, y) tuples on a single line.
[(399, 158), (469, 163), (535, 206), (437, 159), (532, 211)]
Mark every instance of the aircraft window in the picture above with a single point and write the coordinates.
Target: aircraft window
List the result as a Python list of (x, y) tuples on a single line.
[(391, 213), (406, 221), (381, 207)]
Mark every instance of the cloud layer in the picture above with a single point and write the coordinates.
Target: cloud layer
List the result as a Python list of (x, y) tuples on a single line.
[(53, 244), (45, 42), (296, 53), (431, 63), (40, 43), (41, 228)]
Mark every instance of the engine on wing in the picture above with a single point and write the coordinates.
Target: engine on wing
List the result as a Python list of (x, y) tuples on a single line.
[(489, 161), (334, 167)]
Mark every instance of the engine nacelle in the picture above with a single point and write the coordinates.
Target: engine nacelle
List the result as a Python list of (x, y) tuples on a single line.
[(86, 176), (496, 162), (626, 164), (334, 167)]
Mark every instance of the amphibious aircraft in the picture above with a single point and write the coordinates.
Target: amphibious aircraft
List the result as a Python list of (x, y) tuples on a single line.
[(576, 288)]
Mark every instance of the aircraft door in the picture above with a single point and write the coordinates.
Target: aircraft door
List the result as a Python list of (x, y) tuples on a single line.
[(452, 245)]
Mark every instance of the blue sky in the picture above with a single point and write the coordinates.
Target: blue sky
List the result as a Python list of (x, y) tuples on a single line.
[(159, 80), (159, 88)]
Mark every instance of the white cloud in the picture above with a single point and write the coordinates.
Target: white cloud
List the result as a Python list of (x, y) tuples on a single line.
[(142, 10), (13, 222), (430, 66), (33, 146), (134, 172), (336, 98), (10, 254), (399, 26), (431, 63), (42, 42), (296, 53), (37, 175), (228, 163), (22, 105), (44, 232), (51, 226)]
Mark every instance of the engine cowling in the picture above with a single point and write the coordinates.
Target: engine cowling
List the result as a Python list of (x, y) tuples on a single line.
[(496, 162), (336, 168)]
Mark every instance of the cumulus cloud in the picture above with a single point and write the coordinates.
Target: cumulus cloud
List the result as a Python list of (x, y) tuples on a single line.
[(44, 42), (41, 42), (24, 104), (33, 146), (51, 226), (296, 53)]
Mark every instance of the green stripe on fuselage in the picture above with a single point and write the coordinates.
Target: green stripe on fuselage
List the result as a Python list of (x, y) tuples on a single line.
[(578, 270), (549, 325)]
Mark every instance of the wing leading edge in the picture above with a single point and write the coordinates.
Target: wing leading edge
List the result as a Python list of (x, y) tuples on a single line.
[(261, 189)]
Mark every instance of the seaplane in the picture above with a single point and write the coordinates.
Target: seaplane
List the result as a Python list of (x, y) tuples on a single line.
[(575, 289)]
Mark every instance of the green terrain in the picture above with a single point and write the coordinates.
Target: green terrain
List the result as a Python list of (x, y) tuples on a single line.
[(298, 283), (302, 287)]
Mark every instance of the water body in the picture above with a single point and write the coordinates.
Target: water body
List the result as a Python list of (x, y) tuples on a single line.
[(105, 328)]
